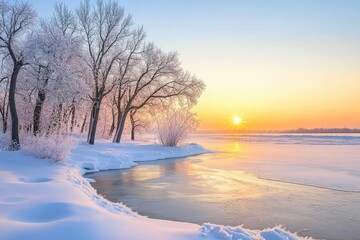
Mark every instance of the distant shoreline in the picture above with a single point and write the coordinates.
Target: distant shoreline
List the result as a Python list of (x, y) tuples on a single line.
[(299, 130)]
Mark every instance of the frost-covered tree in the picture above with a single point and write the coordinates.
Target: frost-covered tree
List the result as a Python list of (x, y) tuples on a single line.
[(64, 21), (86, 71), (53, 59), (154, 75), (56, 70), (127, 62), (104, 29), (16, 18)]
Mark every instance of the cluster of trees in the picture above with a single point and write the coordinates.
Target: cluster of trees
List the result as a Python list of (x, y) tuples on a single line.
[(85, 70)]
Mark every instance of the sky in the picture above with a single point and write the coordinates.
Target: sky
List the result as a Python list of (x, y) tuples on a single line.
[(278, 64)]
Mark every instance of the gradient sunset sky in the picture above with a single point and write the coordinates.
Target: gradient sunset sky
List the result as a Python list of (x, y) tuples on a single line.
[(280, 64)]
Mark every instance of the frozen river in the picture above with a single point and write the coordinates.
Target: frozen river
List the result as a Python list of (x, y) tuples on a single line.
[(309, 184)]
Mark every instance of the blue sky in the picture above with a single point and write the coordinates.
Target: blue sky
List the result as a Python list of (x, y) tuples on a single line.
[(236, 19)]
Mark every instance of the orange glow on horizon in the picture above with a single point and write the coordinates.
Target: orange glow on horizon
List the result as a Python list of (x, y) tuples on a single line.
[(285, 80)]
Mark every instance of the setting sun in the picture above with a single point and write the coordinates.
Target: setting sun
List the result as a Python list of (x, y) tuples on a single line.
[(236, 120)]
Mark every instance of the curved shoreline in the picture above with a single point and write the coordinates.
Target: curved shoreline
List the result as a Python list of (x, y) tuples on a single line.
[(41, 200)]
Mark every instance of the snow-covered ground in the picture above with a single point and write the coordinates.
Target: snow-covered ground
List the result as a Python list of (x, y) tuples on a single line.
[(107, 155), (41, 200)]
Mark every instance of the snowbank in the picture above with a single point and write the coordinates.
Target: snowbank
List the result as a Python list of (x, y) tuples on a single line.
[(40, 200), (230, 233), (108, 155)]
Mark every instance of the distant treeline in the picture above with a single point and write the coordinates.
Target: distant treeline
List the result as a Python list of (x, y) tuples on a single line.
[(320, 130), (298, 130)]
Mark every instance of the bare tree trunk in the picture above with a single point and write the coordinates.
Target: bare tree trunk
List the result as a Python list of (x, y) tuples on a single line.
[(59, 118), (15, 142), (93, 121), (112, 127), (5, 109), (52, 123), (72, 121), (120, 126), (132, 134), (4, 120), (83, 124), (37, 111), (65, 118), (4, 115), (133, 125)]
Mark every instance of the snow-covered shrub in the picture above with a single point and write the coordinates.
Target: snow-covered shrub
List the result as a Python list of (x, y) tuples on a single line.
[(5, 141), (53, 147), (175, 126)]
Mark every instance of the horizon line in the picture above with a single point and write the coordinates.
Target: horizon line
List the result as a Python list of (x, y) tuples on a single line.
[(297, 130)]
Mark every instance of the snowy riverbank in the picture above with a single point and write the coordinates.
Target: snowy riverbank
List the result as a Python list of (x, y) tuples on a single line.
[(108, 155), (41, 200)]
